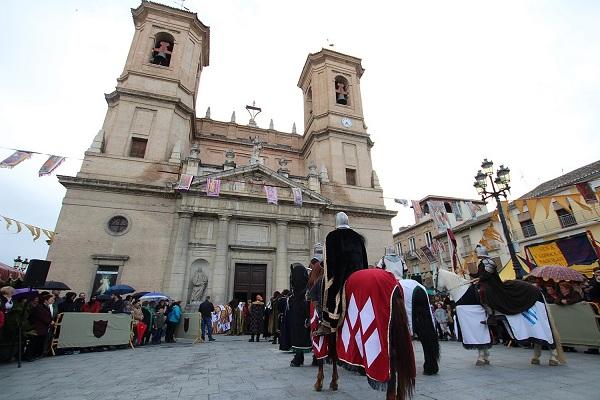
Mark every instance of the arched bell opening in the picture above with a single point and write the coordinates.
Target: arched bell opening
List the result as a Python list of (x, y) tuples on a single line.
[(163, 49), (342, 91)]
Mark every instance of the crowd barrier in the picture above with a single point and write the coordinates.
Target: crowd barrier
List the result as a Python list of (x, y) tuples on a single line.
[(578, 324), (75, 330)]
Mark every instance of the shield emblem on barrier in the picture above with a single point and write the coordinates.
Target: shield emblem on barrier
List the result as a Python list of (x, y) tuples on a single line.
[(99, 328), (186, 324)]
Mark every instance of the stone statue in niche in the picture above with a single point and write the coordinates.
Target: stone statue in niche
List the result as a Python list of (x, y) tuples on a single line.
[(229, 159), (257, 146), (199, 286)]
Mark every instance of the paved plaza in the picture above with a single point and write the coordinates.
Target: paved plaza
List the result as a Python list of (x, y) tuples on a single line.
[(232, 368)]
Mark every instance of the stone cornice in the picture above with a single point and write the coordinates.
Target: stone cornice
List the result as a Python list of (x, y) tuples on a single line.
[(326, 53), (114, 186), (310, 137), (362, 211), (128, 72), (120, 91), (111, 257), (245, 142), (244, 247)]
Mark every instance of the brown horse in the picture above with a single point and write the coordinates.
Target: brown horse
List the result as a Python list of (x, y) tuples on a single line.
[(401, 381)]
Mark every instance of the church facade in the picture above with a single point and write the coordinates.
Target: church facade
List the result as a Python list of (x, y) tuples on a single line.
[(126, 219)]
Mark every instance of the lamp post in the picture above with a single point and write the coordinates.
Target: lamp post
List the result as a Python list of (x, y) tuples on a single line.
[(17, 263), (498, 187)]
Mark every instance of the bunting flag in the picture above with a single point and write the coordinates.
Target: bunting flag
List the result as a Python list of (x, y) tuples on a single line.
[(428, 254), (520, 205), (404, 202), (437, 210), (531, 205), (457, 211), (15, 158), (297, 192), (490, 233), (546, 204), (213, 187), (577, 199), (271, 193), (185, 181), (50, 165), (563, 201), (495, 217), (587, 193), (417, 210), (35, 231)]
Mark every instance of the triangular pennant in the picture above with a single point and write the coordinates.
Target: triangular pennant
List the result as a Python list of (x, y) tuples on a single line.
[(50, 165), (35, 231), (19, 227), (504, 205), (576, 197), (563, 201), (49, 234), (494, 216), (546, 204), (8, 222), (520, 204), (531, 205)]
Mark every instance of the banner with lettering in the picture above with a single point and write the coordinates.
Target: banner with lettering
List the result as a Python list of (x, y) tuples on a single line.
[(573, 250), (50, 165)]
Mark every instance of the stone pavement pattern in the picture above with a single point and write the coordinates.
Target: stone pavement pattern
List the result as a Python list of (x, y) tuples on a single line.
[(232, 368)]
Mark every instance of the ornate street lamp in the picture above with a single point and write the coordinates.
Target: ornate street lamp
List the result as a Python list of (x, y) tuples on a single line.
[(24, 265), (499, 186)]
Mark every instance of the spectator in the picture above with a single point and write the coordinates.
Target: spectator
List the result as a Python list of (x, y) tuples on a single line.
[(592, 292), (568, 294), (173, 318), (5, 304), (149, 317), (57, 298), (441, 317), (127, 305), (206, 309), (138, 321), (550, 293), (159, 323), (41, 320), (68, 305), (92, 306), (450, 313), (257, 310)]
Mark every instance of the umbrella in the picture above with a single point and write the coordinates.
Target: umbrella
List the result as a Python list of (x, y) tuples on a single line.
[(557, 273), (102, 297), (154, 296), (53, 285), (24, 293), (119, 289), (139, 294)]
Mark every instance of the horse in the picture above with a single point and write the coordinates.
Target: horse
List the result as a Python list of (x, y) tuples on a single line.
[(392, 370), (418, 310), (533, 325)]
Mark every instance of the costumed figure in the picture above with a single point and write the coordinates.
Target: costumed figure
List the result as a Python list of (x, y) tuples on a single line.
[(298, 310), (345, 253), (314, 296), (255, 323), (284, 325), (274, 317), (510, 297)]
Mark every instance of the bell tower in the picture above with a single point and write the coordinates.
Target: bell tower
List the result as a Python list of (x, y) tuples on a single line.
[(334, 128), (151, 112)]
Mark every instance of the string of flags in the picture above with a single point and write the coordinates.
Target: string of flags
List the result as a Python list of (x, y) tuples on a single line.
[(35, 231), (213, 189), (16, 158)]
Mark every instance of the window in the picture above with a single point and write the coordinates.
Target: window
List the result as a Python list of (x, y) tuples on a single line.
[(448, 207), (341, 91), (163, 48), (412, 246), (309, 101), (118, 225), (428, 239), (528, 228), (138, 147), (350, 176), (468, 247), (566, 218), (399, 249)]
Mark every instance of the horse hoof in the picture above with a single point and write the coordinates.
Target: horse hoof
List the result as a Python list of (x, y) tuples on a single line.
[(333, 386), (535, 361), (553, 363), (486, 362), (318, 388), (480, 363)]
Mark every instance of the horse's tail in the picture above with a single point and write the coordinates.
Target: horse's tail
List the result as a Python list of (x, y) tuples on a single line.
[(401, 354), (423, 327)]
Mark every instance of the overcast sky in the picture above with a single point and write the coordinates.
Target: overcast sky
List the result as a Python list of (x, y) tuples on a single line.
[(446, 84)]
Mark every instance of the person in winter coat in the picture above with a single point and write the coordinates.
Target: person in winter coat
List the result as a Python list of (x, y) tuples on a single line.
[(206, 309), (441, 316), (41, 321), (92, 306), (257, 312), (173, 318)]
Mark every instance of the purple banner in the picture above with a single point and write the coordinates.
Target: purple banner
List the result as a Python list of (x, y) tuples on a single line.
[(577, 249), (15, 158), (271, 194), (213, 187), (297, 192), (50, 165)]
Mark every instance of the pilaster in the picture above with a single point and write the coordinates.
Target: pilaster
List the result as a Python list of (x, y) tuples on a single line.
[(281, 256), (179, 263), (219, 276)]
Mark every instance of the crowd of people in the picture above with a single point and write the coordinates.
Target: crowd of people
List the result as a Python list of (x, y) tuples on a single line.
[(33, 317)]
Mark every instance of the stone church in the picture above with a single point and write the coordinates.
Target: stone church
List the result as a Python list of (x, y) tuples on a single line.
[(125, 219)]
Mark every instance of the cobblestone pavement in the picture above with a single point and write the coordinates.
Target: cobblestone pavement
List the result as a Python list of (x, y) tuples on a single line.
[(232, 368)]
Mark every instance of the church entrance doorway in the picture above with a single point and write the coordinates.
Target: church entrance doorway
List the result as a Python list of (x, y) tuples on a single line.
[(249, 280)]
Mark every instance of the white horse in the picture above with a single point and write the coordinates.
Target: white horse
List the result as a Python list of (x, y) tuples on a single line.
[(418, 311), (533, 324)]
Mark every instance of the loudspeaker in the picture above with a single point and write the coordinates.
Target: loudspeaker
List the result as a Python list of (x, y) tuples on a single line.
[(36, 273)]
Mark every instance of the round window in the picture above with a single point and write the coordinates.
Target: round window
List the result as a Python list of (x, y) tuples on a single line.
[(118, 224)]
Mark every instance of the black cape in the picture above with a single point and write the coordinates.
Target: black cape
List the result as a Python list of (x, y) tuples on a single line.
[(510, 297), (298, 310), (346, 253), (284, 326)]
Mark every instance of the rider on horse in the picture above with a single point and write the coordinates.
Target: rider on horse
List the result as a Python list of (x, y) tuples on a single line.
[(345, 253), (510, 297)]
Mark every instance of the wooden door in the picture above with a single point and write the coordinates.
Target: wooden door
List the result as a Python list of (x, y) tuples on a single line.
[(249, 280)]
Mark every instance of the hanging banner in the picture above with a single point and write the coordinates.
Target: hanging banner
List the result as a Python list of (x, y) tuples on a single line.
[(547, 254), (271, 193), (14, 159), (577, 199), (563, 200), (473, 209), (50, 165), (297, 192), (35, 231), (428, 254), (457, 211), (577, 249), (531, 207), (185, 181), (417, 210), (213, 187), (437, 210), (587, 193), (520, 205), (546, 203), (404, 202)]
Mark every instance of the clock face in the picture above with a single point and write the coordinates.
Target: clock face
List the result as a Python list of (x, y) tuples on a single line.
[(347, 122)]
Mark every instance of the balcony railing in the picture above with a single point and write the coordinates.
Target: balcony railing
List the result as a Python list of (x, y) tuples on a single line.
[(553, 225)]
